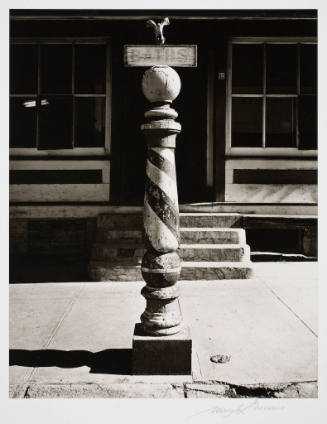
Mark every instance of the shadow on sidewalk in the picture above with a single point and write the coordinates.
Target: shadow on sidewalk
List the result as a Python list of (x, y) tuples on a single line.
[(109, 361)]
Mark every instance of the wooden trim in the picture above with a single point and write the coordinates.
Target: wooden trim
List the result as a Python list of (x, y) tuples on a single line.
[(108, 118), (73, 96), (298, 92), (221, 123), (232, 164), (282, 193), (76, 152), (59, 40), (38, 109), (87, 95), (22, 95), (58, 164), (273, 40), (175, 14), (93, 209), (264, 102), (210, 117), (59, 95), (265, 95), (229, 71), (58, 192), (270, 151)]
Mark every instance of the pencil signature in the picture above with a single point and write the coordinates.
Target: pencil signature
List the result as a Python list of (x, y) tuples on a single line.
[(241, 409)]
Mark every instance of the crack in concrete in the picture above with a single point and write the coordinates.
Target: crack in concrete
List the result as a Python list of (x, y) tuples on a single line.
[(64, 315), (236, 391), (26, 392), (29, 376), (289, 308), (223, 390)]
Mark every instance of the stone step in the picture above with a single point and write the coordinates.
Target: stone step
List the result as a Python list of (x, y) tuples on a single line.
[(217, 271), (188, 235), (118, 251), (108, 235), (188, 252), (124, 221), (134, 221), (215, 252), (211, 220), (212, 235), (213, 247), (106, 271)]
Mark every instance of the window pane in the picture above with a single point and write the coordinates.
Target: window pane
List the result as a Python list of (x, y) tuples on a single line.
[(56, 122), (308, 122), (281, 119), (22, 122), (247, 68), (56, 68), (90, 122), (308, 72), (247, 122), (281, 68), (90, 68), (23, 69)]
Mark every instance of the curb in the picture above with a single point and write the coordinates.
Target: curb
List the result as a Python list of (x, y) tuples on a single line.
[(213, 389)]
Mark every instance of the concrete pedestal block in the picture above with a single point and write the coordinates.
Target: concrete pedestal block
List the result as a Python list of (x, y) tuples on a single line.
[(162, 355)]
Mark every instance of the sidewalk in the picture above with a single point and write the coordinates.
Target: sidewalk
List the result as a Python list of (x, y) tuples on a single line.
[(75, 339)]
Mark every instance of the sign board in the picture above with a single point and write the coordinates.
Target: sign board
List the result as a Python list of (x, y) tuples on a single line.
[(151, 55)]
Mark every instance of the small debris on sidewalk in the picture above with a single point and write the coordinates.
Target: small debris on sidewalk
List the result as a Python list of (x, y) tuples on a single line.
[(220, 359)]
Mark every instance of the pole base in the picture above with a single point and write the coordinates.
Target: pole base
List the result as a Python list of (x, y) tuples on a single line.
[(162, 355)]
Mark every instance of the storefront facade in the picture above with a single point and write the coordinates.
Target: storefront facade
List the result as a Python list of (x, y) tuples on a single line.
[(248, 113)]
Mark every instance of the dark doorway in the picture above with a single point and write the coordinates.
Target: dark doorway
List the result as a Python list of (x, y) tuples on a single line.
[(129, 144)]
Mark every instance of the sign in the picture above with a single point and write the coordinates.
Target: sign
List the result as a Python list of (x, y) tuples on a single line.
[(150, 55)]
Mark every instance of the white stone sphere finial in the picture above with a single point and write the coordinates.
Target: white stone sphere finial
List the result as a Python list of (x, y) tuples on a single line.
[(161, 84)]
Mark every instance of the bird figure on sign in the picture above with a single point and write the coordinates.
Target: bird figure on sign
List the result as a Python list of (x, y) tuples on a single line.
[(158, 29)]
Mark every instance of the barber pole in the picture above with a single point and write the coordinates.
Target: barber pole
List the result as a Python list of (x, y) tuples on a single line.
[(162, 344), (161, 265)]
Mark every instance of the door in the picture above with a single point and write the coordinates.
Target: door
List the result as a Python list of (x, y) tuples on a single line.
[(129, 145)]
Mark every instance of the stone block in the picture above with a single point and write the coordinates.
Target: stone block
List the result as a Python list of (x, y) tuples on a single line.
[(122, 221), (118, 236), (109, 271), (216, 271), (215, 252), (212, 235), (162, 355), (92, 390), (118, 251), (213, 220), (206, 390)]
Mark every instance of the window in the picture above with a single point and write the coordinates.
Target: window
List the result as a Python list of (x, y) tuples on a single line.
[(59, 95), (272, 101)]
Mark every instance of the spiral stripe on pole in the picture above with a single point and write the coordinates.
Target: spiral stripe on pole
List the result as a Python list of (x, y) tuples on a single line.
[(163, 207), (163, 181), (163, 159), (157, 235)]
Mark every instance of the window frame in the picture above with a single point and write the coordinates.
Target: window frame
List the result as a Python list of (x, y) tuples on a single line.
[(75, 151), (261, 151)]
